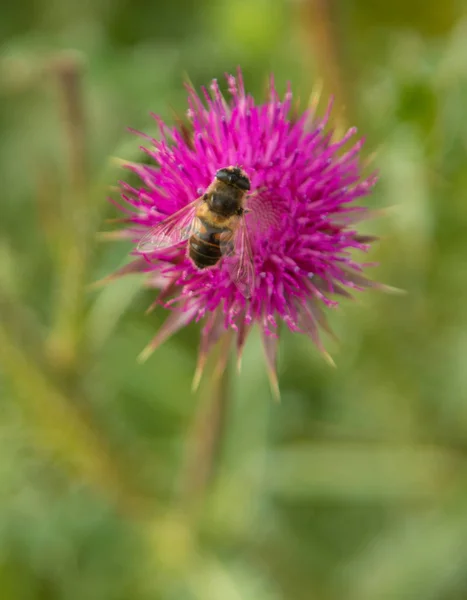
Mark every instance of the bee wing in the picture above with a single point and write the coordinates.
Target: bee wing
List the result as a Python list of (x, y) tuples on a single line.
[(239, 258), (171, 231)]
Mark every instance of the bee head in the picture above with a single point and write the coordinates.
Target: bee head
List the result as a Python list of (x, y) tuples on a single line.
[(235, 177)]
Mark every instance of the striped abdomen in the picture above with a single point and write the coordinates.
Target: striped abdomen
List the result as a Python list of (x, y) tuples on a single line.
[(204, 245)]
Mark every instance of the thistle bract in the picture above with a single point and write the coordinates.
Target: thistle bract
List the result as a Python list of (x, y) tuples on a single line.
[(304, 184)]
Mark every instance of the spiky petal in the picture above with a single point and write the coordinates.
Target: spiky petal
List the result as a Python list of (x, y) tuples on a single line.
[(305, 180)]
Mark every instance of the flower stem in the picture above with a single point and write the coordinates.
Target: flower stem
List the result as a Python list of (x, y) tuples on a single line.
[(73, 249), (68, 70), (323, 39), (204, 443)]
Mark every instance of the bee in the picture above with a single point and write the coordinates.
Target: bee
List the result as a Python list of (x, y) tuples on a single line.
[(214, 226)]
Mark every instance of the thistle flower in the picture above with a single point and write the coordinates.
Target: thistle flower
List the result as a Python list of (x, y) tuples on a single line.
[(301, 223)]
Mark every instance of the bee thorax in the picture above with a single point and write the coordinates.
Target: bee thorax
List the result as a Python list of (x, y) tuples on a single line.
[(224, 204)]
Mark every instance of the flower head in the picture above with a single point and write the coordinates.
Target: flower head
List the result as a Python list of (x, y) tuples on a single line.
[(300, 222)]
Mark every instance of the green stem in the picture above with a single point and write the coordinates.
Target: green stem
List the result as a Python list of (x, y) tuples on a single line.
[(323, 40), (73, 250), (204, 444)]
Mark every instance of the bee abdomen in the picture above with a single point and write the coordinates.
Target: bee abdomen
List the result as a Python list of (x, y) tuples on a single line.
[(204, 251)]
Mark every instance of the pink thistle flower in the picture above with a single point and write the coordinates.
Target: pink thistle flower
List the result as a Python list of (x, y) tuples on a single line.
[(301, 224)]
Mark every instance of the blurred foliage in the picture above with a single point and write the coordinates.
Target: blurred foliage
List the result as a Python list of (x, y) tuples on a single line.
[(355, 486)]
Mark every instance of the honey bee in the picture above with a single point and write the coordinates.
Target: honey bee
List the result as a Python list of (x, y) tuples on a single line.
[(214, 225)]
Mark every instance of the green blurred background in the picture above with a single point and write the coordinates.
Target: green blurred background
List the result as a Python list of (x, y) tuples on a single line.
[(115, 481)]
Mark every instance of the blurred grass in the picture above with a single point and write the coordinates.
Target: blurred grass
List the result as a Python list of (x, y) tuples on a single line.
[(355, 485)]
